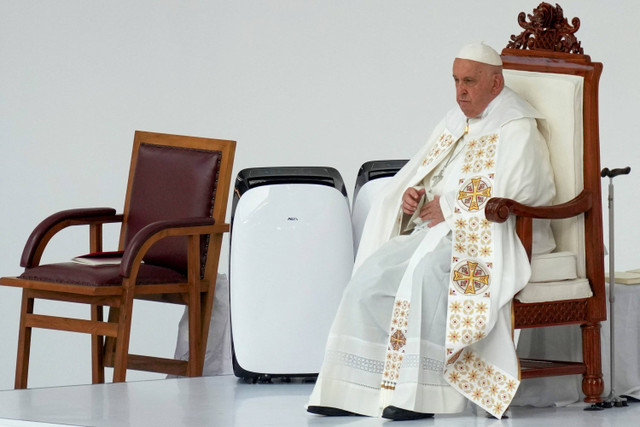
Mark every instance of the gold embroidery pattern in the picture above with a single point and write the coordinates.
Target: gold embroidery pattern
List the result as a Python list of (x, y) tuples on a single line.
[(467, 322), (480, 154), (444, 142), (480, 382), (396, 346)]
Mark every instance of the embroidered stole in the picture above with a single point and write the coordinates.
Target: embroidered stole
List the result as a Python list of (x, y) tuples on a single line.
[(470, 285)]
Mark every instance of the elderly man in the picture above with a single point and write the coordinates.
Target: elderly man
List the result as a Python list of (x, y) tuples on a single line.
[(424, 326)]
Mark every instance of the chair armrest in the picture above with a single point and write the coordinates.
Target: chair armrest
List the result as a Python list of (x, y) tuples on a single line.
[(498, 209), (43, 232), (151, 233)]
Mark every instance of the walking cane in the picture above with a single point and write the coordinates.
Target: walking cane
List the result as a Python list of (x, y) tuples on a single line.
[(612, 399)]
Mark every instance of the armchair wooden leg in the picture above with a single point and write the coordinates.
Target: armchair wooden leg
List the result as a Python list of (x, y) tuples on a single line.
[(196, 362), (592, 382), (109, 348), (24, 342), (122, 341), (97, 348), (206, 309), (196, 359)]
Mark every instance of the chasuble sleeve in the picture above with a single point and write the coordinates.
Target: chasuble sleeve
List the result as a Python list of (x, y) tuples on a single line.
[(528, 176)]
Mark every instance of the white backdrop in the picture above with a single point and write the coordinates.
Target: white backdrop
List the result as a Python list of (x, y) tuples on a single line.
[(295, 82)]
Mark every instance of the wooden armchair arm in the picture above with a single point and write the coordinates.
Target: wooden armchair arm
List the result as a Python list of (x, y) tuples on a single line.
[(44, 231), (498, 209), (152, 233)]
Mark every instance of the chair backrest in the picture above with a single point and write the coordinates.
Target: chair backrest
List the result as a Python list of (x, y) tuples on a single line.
[(559, 98), (173, 177)]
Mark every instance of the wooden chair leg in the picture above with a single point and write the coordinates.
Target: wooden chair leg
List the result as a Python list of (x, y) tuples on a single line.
[(109, 348), (24, 342), (592, 382), (206, 310), (196, 359), (97, 348), (122, 341), (194, 365)]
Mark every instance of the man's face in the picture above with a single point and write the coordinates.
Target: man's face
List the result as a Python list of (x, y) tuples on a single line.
[(476, 85)]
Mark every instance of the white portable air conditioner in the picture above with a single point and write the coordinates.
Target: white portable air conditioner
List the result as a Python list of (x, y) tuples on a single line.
[(291, 256), (372, 176)]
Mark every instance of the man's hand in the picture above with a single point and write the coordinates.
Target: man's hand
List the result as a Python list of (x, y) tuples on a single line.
[(431, 211), (410, 200)]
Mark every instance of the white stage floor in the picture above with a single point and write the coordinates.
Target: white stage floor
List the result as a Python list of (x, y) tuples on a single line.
[(229, 402)]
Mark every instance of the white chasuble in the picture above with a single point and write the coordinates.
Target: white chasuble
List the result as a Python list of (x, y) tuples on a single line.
[(424, 324)]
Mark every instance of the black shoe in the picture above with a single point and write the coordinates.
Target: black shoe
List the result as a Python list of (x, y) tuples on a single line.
[(329, 411), (504, 416), (399, 414)]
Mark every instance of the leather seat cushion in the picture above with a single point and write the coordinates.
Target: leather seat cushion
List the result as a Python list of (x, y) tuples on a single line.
[(99, 275)]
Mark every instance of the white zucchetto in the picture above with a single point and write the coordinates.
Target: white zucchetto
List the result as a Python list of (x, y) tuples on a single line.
[(480, 52)]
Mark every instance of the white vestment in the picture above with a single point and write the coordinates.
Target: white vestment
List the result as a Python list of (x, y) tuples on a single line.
[(425, 323)]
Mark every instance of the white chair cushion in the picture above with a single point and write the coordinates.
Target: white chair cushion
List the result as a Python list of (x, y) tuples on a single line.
[(554, 278), (558, 97), (553, 267), (555, 291)]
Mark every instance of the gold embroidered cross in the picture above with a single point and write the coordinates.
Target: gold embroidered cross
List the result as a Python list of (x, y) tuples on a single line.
[(471, 278), (397, 340), (475, 193)]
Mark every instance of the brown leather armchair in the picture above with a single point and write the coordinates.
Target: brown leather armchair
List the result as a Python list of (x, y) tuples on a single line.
[(170, 242)]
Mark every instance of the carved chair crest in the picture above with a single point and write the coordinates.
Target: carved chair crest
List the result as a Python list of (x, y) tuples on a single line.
[(547, 29)]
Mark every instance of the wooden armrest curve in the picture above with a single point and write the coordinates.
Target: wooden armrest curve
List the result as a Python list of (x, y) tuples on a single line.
[(498, 209), (56, 222), (155, 231)]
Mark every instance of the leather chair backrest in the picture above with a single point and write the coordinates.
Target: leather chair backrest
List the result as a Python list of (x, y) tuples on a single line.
[(171, 183), (558, 97)]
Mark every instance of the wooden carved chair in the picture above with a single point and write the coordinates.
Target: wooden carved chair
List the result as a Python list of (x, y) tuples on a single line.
[(170, 240), (546, 65)]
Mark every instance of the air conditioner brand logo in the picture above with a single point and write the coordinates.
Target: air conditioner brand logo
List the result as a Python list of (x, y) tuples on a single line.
[(292, 218)]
